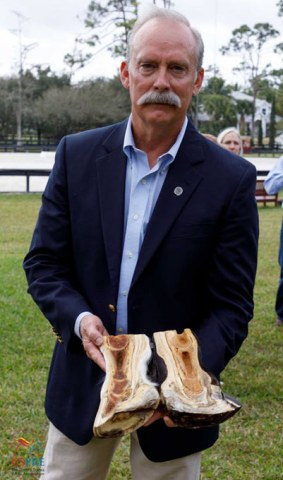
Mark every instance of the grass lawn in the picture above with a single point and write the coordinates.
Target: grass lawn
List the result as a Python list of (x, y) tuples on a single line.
[(250, 444)]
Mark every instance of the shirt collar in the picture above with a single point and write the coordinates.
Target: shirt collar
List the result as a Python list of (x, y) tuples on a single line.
[(129, 142)]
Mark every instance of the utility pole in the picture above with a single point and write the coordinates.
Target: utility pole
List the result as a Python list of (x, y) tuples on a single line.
[(23, 51)]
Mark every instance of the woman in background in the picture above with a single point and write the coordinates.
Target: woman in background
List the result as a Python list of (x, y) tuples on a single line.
[(230, 139)]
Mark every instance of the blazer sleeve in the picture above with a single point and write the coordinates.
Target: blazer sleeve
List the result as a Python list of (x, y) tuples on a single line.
[(231, 278), (48, 264)]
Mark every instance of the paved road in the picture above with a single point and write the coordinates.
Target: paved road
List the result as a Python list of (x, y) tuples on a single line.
[(45, 160)]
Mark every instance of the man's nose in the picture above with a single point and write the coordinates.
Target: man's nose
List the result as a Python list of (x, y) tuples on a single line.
[(161, 81)]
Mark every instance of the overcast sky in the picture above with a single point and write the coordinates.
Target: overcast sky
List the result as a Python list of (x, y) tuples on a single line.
[(51, 27)]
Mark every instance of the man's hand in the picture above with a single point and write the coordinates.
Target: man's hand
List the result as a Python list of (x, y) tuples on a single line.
[(156, 416), (92, 330)]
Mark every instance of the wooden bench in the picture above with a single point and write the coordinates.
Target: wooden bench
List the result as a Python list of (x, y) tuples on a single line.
[(262, 196)]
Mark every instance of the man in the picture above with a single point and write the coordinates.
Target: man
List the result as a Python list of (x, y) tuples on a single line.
[(145, 226), (273, 184)]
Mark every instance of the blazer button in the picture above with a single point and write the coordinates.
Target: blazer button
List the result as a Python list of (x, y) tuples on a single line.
[(112, 308)]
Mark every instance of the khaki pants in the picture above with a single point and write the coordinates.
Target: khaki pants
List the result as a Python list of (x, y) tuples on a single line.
[(65, 460)]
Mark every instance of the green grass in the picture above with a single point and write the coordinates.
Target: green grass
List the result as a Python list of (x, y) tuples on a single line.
[(250, 444)]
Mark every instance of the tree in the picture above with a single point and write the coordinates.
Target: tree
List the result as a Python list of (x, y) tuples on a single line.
[(36, 82), (7, 103), (109, 24), (280, 7), (165, 3), (74, 108), (15, 105), (249, 44), (221, 110), (259, 134), (45, 78), (272, 126), (243, 107), (23, 52), (214, 100), (279, 98)]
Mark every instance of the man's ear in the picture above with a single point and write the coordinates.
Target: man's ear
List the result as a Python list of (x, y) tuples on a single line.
[(124, 74), (198, 82)]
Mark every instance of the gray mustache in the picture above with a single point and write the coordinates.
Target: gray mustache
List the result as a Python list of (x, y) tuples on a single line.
[(166, 98)]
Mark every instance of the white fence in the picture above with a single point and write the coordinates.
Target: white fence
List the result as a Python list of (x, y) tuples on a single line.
[(25, 161), (45, 160)]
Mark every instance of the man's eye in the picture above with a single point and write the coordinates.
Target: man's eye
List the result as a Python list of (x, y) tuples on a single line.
[(179, 69), (146, 67)]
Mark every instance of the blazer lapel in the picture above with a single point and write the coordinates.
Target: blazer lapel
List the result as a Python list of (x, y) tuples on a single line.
[(182, 180), (111, 169)]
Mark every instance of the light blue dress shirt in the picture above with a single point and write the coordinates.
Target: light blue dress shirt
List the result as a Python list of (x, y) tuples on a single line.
[(273, 183), (143, 185)]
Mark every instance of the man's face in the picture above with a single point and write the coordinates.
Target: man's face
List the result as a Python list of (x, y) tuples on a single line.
[(162, 61)]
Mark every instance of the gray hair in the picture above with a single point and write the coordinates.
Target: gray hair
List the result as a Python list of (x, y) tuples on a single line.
[(227, 130), (156, 12)]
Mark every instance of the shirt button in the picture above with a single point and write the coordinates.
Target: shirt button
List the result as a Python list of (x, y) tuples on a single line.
[(144, 181), (129, 255), (120, 330), (125, 293), (135, 217)]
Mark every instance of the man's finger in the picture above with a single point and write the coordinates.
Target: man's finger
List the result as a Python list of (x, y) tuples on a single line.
[(168, 422), (98, 341), (94, 354), (155, 416)]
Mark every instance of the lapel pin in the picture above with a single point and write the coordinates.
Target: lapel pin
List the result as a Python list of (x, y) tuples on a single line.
[(178, 191)]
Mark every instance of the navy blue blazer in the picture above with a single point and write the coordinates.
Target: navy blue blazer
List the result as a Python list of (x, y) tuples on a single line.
[(196, 267)]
